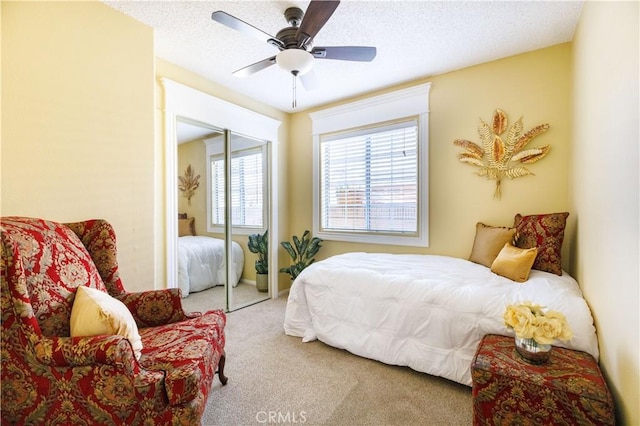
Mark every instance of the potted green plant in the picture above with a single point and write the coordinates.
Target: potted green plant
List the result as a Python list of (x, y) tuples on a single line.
[(259, 244), (301, 251)]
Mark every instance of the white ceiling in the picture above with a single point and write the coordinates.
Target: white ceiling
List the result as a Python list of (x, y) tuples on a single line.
[(414, 39), (188, 132)]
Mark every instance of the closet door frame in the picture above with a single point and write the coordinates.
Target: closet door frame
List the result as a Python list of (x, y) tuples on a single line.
[(183, 102)]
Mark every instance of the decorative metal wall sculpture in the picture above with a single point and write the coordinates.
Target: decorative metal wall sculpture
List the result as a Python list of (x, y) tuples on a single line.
[(498, 158), (188, 183)]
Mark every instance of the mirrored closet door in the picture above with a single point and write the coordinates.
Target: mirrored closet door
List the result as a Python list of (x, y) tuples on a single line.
[(248, 209), (222, 245), (223, 219)]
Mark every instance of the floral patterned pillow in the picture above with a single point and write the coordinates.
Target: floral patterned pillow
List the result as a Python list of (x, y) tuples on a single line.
[(546, 232)]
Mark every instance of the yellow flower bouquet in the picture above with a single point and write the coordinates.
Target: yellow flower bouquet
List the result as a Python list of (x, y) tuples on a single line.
[(536, 329)]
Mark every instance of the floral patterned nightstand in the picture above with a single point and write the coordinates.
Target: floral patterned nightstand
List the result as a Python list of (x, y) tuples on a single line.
[(569, 389)]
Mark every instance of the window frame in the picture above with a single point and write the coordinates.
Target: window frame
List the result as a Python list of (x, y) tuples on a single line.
[(399, 105)]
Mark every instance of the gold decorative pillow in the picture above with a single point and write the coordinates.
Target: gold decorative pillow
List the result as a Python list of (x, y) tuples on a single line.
[(488, 242), (186, 227), (546, 232), (95, 313), (514, 263)]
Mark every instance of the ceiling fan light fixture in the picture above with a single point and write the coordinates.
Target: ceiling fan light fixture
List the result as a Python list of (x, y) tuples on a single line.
[(295, 60)]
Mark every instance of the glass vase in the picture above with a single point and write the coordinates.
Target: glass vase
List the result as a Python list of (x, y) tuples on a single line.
[(532, 351)]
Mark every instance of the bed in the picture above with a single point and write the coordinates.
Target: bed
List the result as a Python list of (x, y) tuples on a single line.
[(427, 312), (201, 263)]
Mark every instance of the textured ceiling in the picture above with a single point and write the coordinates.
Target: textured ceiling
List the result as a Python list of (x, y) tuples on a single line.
[(414, 39)]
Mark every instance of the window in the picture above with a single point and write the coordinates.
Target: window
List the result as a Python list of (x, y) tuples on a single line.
[(371, 169), (369, 178)]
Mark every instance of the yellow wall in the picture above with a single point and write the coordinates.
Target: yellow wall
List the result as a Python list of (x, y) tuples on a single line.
[(78, 123), (606, 189), (535, 85), (194, 154)]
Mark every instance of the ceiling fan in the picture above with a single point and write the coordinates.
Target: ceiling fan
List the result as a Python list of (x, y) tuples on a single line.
[(295, 42)]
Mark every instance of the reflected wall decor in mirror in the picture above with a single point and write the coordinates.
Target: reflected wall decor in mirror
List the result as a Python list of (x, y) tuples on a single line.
[(208, 253)]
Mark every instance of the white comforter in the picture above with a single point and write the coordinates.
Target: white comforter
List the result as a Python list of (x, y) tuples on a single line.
[(201, 263), (422, 311)]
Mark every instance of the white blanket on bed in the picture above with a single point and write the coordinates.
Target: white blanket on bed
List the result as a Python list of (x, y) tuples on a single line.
[(426, 312), (201, 263)]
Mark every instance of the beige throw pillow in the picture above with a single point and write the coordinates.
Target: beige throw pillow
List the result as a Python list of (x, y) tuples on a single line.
[(186, 227), (488, 242), (95, 313), (514, 263)]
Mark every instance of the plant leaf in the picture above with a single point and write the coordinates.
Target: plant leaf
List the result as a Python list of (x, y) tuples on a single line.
[(532, 155), (517, 172), (486, 136), (469, 155), (313, 248), (514, 132), (498, 150), (472, 160), (499, 122), (470, 147), (287, 270), (303, 248), (289, 248), (524, 139)]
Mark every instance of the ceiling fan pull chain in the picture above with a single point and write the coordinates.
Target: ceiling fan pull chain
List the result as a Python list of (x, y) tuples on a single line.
[(294, 101)]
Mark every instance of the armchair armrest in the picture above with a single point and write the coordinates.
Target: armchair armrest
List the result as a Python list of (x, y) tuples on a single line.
[(155, 307), (81, 351)]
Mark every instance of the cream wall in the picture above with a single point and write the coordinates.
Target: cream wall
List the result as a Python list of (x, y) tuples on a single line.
[(78, 124), (535, 85), (606, 189)]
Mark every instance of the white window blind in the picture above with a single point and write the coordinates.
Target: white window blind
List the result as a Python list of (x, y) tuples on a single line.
[(247, 183), (369, 180)]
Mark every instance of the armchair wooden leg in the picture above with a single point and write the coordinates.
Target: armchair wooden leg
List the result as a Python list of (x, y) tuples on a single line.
[(221, 376)]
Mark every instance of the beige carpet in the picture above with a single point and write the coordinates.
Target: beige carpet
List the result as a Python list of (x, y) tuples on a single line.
[(277, 379), (215, 297)]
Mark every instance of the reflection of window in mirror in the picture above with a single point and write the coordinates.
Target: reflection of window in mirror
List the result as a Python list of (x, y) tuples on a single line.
[(248, 186)]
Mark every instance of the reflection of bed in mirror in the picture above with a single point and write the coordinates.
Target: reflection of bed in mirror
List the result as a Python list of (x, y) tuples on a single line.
[(201, 260)]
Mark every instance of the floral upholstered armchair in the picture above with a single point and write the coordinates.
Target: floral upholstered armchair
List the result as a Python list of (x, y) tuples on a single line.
[(143, 360)]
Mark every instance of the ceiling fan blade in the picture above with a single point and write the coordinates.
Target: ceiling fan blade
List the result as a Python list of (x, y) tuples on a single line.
[(254, 68), (317, 14), (310, 80), (345, 53), (239, 25)]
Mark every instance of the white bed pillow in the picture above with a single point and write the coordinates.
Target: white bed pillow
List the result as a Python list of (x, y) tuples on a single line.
[(95, 313)]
